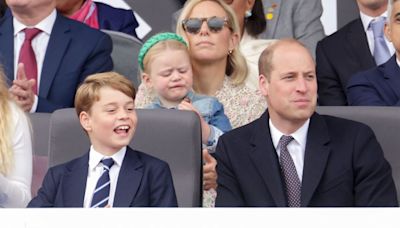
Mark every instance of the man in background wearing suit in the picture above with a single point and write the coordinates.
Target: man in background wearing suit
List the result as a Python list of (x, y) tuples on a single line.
[(298, 19), (348, 51), (99, 15), (380, 86), (291, 156), (61, 54)]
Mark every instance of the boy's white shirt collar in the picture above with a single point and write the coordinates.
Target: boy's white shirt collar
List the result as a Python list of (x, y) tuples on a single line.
[(95, 157)]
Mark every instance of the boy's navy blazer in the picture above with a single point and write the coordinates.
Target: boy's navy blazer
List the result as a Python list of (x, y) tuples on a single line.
[(143, 181), (343, 166), (74, 52)]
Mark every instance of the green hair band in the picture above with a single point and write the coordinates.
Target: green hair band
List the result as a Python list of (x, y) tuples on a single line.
[(154, 40)]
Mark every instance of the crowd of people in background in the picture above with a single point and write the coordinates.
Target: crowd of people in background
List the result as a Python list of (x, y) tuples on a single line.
[(254, 72)]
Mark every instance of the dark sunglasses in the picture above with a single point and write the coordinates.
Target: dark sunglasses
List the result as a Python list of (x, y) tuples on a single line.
[(193, 25)]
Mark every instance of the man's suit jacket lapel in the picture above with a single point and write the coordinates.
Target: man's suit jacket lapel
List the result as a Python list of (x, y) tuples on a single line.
[(74, 182), (7, 47), (271, 24), (316, 157), (58, 43), (129, 179), (358, 46), (265, 159), (391, 72)]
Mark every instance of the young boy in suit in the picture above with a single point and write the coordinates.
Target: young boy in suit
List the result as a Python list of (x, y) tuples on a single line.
[(111, 174)]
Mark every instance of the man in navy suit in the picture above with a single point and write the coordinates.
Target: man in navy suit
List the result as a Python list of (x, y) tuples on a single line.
[(66, 52), (105, 106), (328, 162), (108, 17), (346, 52), (380, 86)]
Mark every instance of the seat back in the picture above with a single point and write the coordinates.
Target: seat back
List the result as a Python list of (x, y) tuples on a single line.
[(40, 130), (384, 121), (157, 14), (125, 55), (171, 135)]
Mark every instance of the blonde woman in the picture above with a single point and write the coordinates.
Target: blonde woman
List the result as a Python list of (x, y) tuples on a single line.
[(212, 32), (15, 152), (219, 69)]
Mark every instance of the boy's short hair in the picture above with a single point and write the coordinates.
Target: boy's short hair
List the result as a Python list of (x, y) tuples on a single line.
[(89, 91)]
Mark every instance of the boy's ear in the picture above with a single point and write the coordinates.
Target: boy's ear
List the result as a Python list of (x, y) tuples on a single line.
[(147, 80), (84, 119)]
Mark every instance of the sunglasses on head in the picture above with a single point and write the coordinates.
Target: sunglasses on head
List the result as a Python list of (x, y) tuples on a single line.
[(193, 25)]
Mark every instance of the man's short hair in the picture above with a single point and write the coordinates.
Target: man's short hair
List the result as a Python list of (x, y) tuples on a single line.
[(89, 91), (265, 65)]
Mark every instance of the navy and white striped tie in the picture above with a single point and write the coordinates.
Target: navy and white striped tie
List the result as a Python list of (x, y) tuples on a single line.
[(102, 191)]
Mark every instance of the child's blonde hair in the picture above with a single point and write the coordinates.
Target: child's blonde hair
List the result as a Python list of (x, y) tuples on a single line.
[(158, 43), (160, 47)]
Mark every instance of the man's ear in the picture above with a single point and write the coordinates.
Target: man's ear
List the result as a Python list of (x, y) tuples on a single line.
[(84, 119), (387, 31), (147, 80), (263, 84)]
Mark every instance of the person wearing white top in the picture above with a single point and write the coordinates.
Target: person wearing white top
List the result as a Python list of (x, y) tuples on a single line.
[(15, 152)]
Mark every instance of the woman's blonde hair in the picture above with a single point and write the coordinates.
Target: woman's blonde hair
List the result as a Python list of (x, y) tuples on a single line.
[(236, 67), (6, 151)]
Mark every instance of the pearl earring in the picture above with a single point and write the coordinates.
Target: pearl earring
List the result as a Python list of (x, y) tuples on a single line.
[(247, 14)]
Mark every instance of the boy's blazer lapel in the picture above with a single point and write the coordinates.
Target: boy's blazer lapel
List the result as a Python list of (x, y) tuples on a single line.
[(74, 182), (129, 179), (265, 159)]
